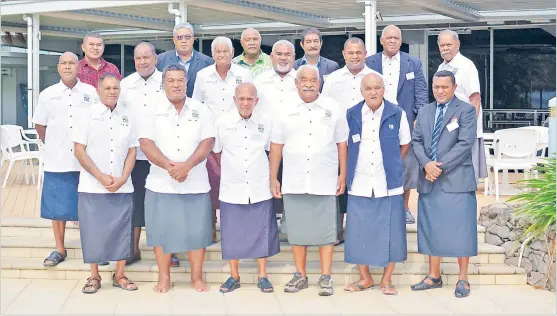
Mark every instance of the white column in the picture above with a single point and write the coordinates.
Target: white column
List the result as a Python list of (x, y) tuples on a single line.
[(491, 58), (36, 68), (122, 60), (183, 7), (371, 26), (29, 20)]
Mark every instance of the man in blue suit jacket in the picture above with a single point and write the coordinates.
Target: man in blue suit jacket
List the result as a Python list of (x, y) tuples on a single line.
[(405, 85), (311, 42), (185, 55)]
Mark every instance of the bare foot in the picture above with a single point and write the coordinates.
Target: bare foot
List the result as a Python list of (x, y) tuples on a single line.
[(164, 284), (199, 285)]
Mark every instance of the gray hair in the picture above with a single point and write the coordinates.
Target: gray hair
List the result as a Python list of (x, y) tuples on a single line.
[(249, 29), (221, 40), (284, 42), (174, 67), (386, 28), (105, 76), (153, 50), (93, 35), (307, 66), (444, 74), (311, 30), (447, 32), (355, 40), (181, 26), (69, 53)]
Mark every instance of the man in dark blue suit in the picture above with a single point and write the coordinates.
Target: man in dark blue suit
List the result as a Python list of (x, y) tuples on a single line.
[(311, 42), (185, 55), (405, 86)]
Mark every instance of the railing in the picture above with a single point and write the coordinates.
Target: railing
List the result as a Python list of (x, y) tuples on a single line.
[(511, 118)]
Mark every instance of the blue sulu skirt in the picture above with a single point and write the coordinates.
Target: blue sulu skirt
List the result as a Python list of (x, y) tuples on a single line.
[(59, 196)]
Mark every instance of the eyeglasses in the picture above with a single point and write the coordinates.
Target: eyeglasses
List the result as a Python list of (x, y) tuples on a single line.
[(184, 37)]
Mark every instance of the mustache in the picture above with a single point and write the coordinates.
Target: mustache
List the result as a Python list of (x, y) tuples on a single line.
[(308, 89)]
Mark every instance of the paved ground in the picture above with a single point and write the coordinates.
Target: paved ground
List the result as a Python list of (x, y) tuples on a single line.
[(19, 296)]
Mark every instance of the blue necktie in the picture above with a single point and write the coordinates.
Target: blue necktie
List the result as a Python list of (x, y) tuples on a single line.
[(437, 132)]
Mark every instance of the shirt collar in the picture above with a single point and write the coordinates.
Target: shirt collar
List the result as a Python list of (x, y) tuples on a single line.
[(305, 61), (100, 109), (395, 57), (180, 59), (455, 59), (170, 107), (77, 86), (448, 103), (155, 76), (260, 59), (291, 73), (366, 109), (363, 72), (255, 118), (84, 63), (232, 70)]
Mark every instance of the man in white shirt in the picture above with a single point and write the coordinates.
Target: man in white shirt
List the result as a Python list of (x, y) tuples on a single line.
[(343, 85), (215, 88), (105, 146), (247, 221), (140, 94), (55, 118), (467, 90), (311, 135), (376, 224), (177, 138)]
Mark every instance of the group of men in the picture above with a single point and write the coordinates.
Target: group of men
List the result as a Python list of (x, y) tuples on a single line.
[(255, 135)]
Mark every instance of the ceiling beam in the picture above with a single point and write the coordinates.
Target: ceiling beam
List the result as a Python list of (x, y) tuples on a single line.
[(26, 7), (263, 11), (448, 8), (113, 18)]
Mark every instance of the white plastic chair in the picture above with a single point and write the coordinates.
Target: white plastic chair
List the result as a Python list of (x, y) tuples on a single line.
[(12, 137), (488, 182), (515, 149)]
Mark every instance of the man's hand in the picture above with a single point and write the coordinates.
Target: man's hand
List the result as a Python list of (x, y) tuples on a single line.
[(179, 170), (117, 184), (430, 178), (414, 123), (106, 180), (432, 168), (275, 189), (341, 185)]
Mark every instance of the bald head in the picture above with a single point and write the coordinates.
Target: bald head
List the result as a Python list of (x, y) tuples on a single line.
[(245, 98), (373, 89), (67, 68), (391, 39), (251, 42)]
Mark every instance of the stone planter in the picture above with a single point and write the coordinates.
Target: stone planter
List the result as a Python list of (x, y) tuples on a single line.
[(504, 229)]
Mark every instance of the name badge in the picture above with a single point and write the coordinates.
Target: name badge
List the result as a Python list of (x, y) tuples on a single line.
[(356, 138), (453, 125), (410, 76)]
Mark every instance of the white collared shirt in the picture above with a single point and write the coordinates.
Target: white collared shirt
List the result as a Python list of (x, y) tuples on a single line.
[(107, 135), (344, 87), (310, 133), (177, 136), (140, 97), (274, 91), (467, 81), (244, 163), (370, 178), (60, 109), (215, 93), (391, 75)]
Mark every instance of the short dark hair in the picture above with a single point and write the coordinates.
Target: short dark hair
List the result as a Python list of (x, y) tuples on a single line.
[(106, 75), (174, 67), (445, 73), (93, 35), (309, 31)]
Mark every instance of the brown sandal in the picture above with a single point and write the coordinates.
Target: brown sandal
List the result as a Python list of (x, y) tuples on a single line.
[(91, 287), (125, 287)]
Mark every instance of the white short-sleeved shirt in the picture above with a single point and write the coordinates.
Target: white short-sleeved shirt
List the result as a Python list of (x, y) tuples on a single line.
[(391, 75), (107, 135), (215, 93), (344, 87), (310, 133), (244, 163), (467, 80), (274, 91), (60, 109), (177, 136), (369, 177), (140, 97)]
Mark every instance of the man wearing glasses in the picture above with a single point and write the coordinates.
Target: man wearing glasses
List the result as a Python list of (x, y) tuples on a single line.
[(406, 87), (185, 55)]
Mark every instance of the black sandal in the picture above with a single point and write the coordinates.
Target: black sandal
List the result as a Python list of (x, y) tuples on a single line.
[(230, 285), (422, 286), (265, 285), (55, 258)]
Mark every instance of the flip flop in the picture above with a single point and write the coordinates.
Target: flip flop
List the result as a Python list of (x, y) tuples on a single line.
[(55, 258), (388, 289), (359, 287)]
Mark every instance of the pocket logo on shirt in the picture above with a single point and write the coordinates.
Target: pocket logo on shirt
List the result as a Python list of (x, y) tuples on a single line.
[(194, 114), (125, 121), (328, 114), (261, 128), (294, 114), (238, 79), (86, 98)]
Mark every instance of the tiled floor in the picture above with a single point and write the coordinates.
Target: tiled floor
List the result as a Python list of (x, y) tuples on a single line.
[(64, 297)]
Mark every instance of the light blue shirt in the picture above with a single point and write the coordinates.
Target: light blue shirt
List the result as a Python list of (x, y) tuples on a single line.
[(444, 110), (185, 64), (305, 61)]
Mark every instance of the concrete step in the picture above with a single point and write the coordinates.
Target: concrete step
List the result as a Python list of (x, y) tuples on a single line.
[(40, 247), (279, 272), (38, 227)]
